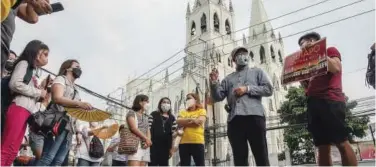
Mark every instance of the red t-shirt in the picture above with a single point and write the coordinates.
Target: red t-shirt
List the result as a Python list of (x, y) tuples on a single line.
[(327, 86)]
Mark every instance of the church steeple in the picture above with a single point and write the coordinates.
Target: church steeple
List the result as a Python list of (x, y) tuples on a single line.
[(259, 18), (231, 8), (188, 10)]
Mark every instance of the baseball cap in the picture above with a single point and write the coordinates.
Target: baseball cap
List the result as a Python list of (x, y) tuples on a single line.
[(310, 35), (236, 50)]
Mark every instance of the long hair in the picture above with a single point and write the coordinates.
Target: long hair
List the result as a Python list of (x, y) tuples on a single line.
[(197, 98), (136, 102), (30, 52), (66, 65), (160, 103)]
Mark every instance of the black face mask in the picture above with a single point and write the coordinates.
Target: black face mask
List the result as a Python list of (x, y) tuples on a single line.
[(76, 72), (9, 65)]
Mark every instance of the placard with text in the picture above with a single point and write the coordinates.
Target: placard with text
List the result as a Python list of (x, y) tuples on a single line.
[(306, 63)]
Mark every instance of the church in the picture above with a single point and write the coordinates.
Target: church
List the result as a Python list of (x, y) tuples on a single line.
[(210, 38)]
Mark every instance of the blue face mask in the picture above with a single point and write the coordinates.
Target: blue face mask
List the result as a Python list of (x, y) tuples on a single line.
[(242, 60)]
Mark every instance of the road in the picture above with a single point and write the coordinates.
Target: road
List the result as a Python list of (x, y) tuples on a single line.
[(360, 163)]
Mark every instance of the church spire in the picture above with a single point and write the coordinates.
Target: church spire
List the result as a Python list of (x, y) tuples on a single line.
[(188, 10), (259, 16), (231, 8)]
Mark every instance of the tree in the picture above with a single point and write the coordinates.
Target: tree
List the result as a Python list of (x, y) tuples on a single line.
[(298, 139)]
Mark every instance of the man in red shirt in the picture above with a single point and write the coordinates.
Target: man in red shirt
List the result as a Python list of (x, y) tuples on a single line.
[(326, 107)]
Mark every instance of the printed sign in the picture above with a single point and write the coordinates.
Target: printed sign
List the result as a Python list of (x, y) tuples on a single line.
[(305, 63)]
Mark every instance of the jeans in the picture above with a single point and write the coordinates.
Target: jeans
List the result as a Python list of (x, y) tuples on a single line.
[(248, 129), (54, 152), (82, 162), (36, 142), (197, 151)]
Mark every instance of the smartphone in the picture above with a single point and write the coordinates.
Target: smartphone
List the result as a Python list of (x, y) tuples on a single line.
[(56, 7)]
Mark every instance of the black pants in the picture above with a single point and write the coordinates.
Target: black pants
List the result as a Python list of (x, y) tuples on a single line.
[(326, 121), (248, 129), (159, 155), (197, 151), (119, 163)]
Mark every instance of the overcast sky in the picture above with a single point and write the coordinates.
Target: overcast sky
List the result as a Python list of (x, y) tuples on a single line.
[(114, 39)]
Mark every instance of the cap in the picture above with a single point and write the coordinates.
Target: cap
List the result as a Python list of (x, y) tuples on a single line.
[(310, 35), (236, 50)]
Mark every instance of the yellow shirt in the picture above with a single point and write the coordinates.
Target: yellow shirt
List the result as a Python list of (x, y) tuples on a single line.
[(6, 5), (193, 135)]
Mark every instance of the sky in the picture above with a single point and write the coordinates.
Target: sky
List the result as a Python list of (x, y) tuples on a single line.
[(117, 39)]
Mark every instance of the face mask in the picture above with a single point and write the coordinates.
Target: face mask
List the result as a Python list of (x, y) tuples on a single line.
[(76, 72), (165, 107), (9, 65), (94, 124), (190, 103), (146, 106), (242, 60)]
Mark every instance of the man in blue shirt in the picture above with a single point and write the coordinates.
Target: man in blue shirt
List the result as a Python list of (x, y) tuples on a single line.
[(244, 90)]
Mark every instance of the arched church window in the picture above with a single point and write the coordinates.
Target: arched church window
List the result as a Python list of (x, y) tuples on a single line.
[(193, 28), (203, 23), (275, 82), (251, 55), (228, 27), (271, 108), (216, 22), (264, 29), (262, 55), (272, 52), (219, 57), (254, 35), (280, 56)]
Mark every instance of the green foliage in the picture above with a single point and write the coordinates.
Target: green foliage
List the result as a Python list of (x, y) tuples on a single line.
[(298, 139), (281, 156)]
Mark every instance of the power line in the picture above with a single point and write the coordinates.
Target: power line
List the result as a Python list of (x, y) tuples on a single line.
[(307, 18), (323, 25), (176, 54)]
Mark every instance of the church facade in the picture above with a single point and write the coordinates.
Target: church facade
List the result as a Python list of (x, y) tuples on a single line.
[(210, 38)]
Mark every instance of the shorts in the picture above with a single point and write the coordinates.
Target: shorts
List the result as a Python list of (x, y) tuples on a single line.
[(326, 121), (141, 155), (36, 141)]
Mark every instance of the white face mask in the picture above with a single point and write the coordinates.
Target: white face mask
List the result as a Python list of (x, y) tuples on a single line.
[(146, 106), (94, 124), (165, 107), (190, 103)]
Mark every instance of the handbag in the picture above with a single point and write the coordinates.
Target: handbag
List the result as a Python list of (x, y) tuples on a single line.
[(129, 142), (50, 121)]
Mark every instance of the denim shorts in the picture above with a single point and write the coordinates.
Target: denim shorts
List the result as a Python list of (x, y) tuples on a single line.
[(36, 141)]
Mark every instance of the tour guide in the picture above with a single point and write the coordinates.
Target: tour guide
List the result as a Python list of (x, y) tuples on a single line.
[(244, 90)]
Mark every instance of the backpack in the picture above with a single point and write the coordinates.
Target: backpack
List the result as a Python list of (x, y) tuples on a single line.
[(7, 95), (96, 149)]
